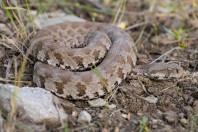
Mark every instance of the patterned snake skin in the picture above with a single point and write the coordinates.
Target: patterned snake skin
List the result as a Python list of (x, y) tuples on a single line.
[(82, 60)]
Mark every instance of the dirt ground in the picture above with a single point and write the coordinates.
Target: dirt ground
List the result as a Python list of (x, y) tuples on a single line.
[(157, 28)]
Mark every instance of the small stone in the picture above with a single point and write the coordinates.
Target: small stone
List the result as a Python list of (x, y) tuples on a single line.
[(181, 115), (154, 126), (170, 116), (151, 99), (124, 116), (75, 113), (183, 121), (111, 106), (52, 18), (97, 102), (84, 117)]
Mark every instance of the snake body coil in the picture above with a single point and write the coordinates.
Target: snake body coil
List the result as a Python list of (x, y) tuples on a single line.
[(67, 52)]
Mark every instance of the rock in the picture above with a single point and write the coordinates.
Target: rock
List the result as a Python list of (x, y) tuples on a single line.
[(84, 117), (97, 102), (181, 115), (111, 106), (55, 17), (125, 116), (151, 99), (35, 104), (170, 116), (183, 121)]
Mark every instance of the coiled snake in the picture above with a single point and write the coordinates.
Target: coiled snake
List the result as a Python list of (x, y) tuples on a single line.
[(82, 60)]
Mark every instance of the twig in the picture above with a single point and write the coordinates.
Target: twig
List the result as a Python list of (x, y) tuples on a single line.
[(140, 36), (167, 88), (114, 112), (139, 97), (143, 87), (7, 80), (136, 25), (165, 54)]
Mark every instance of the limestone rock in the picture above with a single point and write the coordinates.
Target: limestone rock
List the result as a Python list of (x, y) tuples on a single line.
[(36, 104)]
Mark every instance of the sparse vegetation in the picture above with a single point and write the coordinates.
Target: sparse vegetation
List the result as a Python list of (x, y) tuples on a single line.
[(147, 21), (143, 124)]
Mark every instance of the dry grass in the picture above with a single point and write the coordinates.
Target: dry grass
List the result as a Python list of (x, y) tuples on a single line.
[(20, 17)]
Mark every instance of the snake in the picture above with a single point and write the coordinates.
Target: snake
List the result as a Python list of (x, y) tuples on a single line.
[(87, 60), (82, 60)]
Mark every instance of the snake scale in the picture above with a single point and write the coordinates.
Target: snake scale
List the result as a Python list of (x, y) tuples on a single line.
[(82, 60)]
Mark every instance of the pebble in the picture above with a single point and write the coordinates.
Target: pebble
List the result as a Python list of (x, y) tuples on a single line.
[(55, 17), (97, 102), (170, 116), (151, 99), (183, 121), (84, 117), (111, 106)]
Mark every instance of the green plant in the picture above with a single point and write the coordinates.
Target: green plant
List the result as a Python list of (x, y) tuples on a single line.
[(99, 75), (179, 35), (143, 124), (156, 35), (66, 128)]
